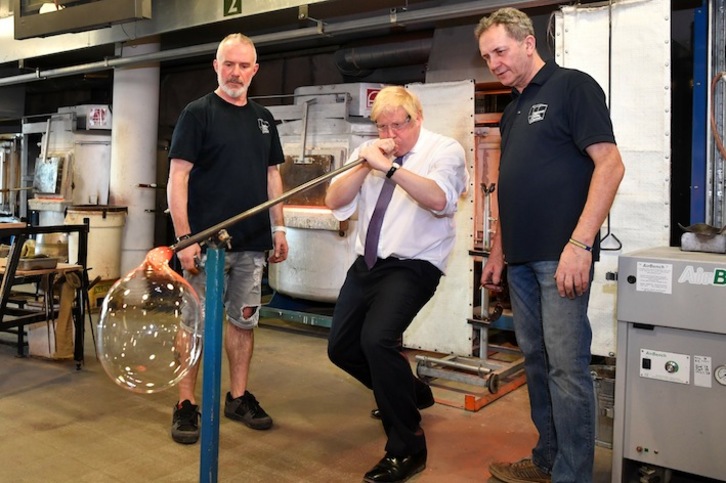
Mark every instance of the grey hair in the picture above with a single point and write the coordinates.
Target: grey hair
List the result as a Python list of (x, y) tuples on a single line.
[(238, 38), (517, 24)]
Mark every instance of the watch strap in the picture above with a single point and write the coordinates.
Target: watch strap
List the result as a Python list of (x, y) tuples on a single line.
[(394, 168)]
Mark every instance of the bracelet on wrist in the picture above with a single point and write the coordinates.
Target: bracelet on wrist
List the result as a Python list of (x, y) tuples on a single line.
[(579, 244), (183, 237), (277, 228)]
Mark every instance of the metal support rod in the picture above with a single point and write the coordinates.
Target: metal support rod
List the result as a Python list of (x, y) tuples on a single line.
[(303, 141), (212, 347), (478, 369), (484, 331), (46, 141), (424, 372), (487, 219), (211, 232)]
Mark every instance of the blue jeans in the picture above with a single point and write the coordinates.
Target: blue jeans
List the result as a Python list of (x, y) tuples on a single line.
[(554, 334)]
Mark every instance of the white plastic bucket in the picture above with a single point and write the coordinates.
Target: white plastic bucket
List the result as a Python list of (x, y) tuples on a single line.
[(105, 233)]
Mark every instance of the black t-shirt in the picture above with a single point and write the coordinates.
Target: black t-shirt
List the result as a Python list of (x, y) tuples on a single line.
[(231, 148), (544, 170)]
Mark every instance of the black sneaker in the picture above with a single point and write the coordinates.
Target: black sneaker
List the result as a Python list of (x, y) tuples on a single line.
[(185, 423), (247, 410)]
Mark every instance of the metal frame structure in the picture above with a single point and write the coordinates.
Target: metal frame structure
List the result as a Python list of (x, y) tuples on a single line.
[(718, 111), (22, 317), (708, 178)]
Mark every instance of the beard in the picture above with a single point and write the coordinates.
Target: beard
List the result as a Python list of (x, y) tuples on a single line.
[(234, 92)]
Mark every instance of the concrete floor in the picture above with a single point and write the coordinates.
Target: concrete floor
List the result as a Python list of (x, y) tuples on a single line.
[(60, 424)]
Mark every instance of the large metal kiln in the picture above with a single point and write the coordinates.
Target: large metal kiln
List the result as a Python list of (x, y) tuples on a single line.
[(318, 133), (73, 165)]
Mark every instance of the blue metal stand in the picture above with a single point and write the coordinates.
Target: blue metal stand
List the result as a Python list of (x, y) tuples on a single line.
[(212, 360)]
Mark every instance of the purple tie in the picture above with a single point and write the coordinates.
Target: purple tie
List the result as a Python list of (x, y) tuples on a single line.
[(370, 255)]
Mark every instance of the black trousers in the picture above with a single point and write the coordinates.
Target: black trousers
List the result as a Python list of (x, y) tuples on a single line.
[(373, 310)]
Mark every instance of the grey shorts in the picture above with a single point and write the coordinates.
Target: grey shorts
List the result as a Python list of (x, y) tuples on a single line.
[(243, 286)]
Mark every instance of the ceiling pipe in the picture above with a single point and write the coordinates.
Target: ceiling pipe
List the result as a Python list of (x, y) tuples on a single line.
[(361, 61), (370, 24)]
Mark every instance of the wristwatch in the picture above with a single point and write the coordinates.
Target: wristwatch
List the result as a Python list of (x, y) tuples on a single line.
[(393, 169), (183, 237)]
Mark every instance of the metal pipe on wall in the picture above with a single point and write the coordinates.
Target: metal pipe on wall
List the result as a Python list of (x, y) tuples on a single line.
[(367, 24), (361, 61)]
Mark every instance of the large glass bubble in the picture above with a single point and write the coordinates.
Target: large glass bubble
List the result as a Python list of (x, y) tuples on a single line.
[(149, 335)]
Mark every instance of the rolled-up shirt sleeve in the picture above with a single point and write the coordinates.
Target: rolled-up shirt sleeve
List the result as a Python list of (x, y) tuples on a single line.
[(449, 172)]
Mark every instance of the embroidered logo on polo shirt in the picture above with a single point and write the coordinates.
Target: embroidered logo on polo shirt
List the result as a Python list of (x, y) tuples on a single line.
[(536, 113), (264, 126)]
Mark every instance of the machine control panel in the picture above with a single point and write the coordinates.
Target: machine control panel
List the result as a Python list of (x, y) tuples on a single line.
[(665, 366)]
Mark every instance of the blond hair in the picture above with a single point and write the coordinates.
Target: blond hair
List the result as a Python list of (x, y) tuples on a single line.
[(391, 98), (517, 24)]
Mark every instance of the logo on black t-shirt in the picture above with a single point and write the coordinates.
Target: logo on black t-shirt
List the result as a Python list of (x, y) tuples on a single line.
[(536, 113), (264, 126)]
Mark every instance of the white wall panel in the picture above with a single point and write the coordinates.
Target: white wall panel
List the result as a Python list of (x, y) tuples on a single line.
[(627, 49), (441, 325)]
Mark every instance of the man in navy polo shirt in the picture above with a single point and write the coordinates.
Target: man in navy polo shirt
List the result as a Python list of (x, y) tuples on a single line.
[(559, 171)]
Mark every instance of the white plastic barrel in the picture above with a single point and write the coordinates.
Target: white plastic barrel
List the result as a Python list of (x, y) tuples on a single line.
[(105, 233)]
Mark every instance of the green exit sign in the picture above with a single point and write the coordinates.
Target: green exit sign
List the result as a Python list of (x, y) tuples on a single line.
[(232, 7)]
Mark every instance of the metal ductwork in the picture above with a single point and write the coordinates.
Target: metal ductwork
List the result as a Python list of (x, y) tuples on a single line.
[(362, 61), (373, 23)]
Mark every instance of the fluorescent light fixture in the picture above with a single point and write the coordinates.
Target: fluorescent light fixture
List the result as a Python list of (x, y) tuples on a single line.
[(35, 18)]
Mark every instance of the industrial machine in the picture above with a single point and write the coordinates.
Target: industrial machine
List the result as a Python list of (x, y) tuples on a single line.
[(66, 156), (670, 389)]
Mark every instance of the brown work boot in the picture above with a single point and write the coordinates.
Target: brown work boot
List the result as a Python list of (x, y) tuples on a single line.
[(523, 471)]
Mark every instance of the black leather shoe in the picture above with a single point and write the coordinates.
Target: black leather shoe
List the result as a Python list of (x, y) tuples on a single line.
[(392, 469), (424, 399)]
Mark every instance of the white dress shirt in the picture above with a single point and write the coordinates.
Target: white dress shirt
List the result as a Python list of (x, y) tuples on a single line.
[(409, 230)]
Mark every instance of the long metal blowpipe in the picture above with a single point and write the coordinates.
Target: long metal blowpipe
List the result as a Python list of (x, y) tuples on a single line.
[(209, 232)]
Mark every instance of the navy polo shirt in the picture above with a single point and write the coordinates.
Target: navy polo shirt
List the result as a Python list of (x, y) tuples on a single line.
[(544, 170)]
